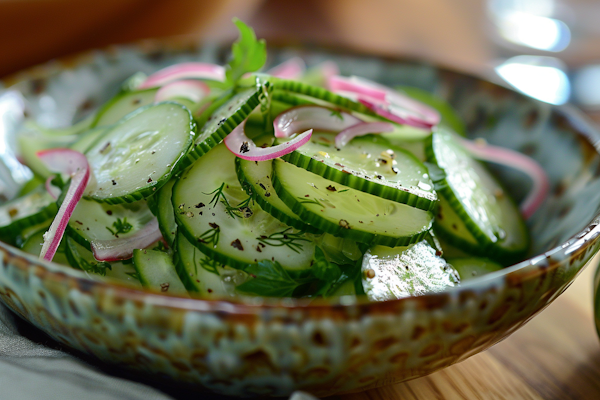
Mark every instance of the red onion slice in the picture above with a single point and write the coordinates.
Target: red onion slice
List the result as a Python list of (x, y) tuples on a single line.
[(122, 248), (187, 89), (360, 129), (51, 189), (312, 117), (520, 161), (75, 164), (293, 68), (342, 84), (239, 144), (386, 102), (187, 70)]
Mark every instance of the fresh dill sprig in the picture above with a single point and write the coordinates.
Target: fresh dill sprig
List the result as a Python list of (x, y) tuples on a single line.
[(121, 226), (134, 275), (211, 236), (284, 238), (337, 114), (303, 200), (242, 210), (218, 195), (95, 267), (208, 264)]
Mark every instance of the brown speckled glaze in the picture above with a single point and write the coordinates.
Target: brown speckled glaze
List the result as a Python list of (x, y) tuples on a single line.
[(271, 347)]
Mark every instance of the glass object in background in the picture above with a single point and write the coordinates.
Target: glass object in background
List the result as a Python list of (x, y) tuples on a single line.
[(560, 39)]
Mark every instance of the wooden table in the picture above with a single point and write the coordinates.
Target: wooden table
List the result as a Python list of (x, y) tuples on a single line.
[(555, 356)]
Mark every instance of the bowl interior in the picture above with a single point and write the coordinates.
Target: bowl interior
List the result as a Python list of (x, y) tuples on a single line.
[(63, 92)]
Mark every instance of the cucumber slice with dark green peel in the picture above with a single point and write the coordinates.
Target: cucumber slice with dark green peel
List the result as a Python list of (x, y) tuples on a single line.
[(257, 176), (369, 164), (321, 94), (161, 206), (139, 154), (87, 139), (81, 258), (24, 212), (346, 212), (224, 120), (156, 271), (473, 267), (33, 245), (348, 288), (217, 216), (92, 221), (489, 214), (203, 275), (123, 104), (210, 104), (393, 273), (450, 227)]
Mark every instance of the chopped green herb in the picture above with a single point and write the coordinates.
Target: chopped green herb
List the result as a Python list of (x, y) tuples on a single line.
[(121, 226), (285, 238), (270, 279), (248, 54)]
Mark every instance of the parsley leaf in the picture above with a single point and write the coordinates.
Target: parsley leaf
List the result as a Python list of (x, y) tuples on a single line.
[(271, 280), (323, 269), (248, 54)]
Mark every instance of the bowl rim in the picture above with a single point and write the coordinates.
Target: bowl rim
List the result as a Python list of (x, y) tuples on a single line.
[(516, 273)]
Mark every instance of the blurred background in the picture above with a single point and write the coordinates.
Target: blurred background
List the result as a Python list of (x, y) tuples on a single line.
[(548, 49)]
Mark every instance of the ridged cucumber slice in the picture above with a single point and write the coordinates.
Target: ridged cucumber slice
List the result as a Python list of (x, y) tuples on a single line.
[(257, 175), (321, 94), (449, 226), (489, 214), (33, 245), (87, 139), (24, 212), (203, 275), (473, 267), (93, 221), (156, 271), (346, 212), (239, 234), (138, 155), (81, 258), (369, 164), (123, 104), (393, 273), (161, 206), (224, 120)]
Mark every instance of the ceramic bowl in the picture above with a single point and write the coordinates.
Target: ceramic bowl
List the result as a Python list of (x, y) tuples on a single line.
[(272, 347)]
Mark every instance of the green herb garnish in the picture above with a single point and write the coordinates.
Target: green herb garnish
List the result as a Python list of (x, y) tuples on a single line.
[(121, 226)]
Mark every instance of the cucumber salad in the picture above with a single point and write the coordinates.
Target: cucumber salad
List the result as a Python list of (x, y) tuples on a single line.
[(219, 181)]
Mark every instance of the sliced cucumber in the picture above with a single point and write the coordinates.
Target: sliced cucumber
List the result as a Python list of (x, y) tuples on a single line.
[(161, 206), (138, 155), (489, 214), (325, 96), (87, 139), (156, 271), (450, 227), (92, 221), (203, 275), (224, 120), (473, 267), (257, 175), (346, 212), (123, 104), (238, 235), (26, 211), (33, 245), (393, 273), (369, 164), (81, 258)]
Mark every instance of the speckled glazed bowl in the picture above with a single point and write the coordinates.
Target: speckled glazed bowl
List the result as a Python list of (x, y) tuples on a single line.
[(272, 347)]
